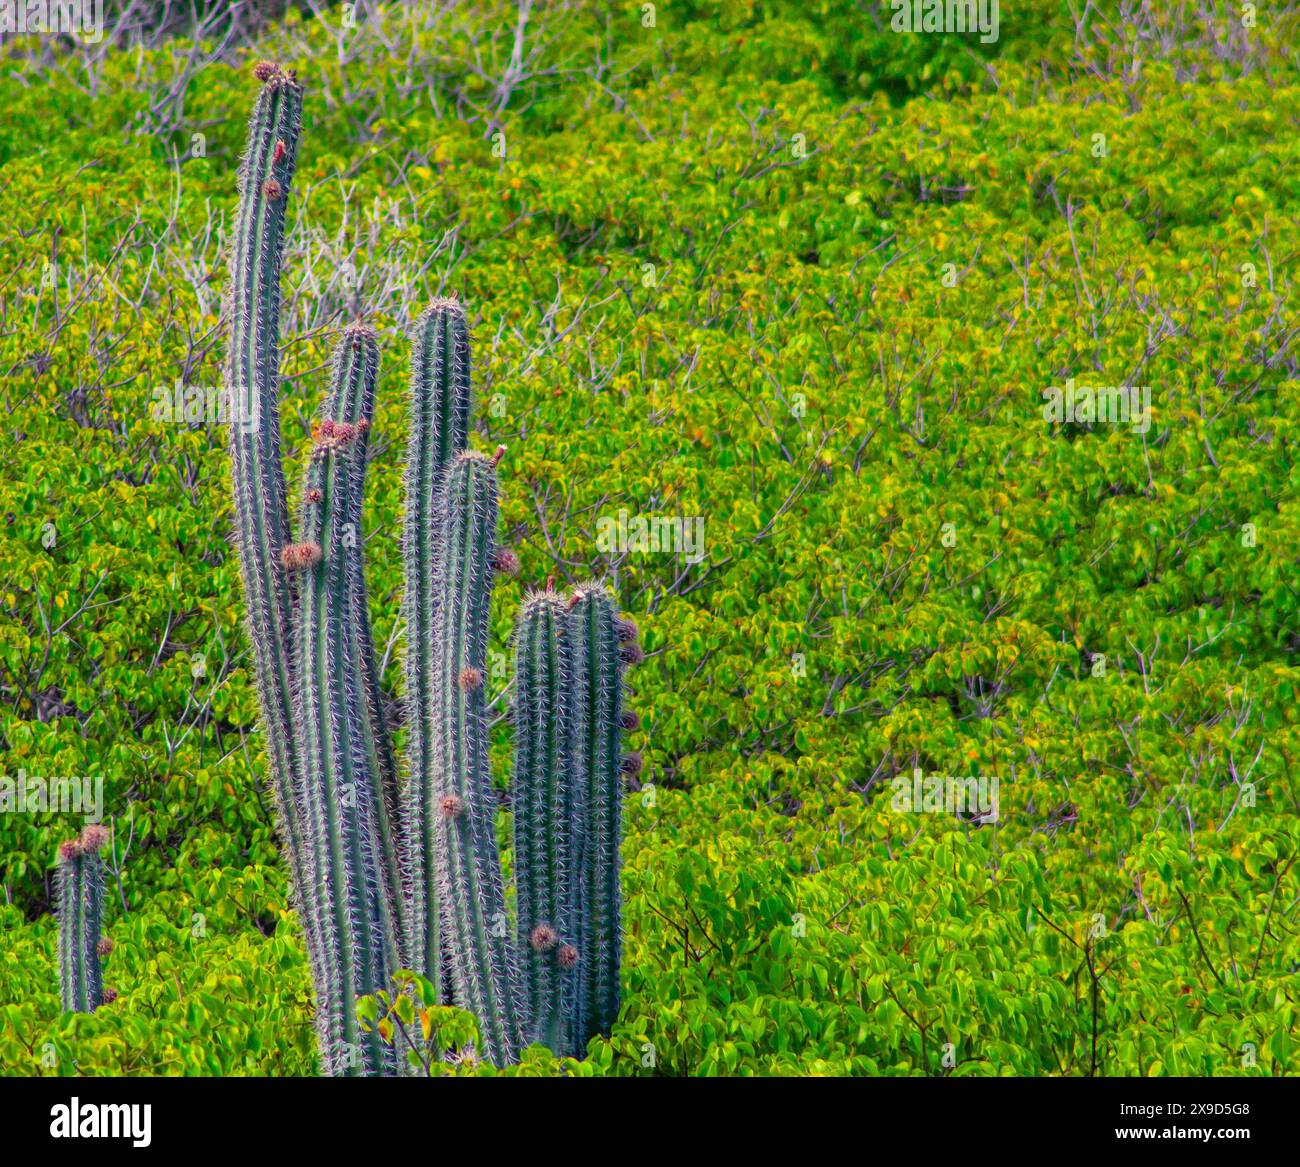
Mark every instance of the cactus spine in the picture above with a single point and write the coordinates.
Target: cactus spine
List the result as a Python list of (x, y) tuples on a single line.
[(545, 808), (80, 881), (383, 873)]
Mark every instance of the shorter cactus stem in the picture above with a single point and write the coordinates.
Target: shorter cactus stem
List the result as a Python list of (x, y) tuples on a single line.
[(545, 815), (80, 881), (595, 728), (484, 974)]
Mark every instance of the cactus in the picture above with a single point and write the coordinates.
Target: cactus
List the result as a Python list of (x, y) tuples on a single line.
[(592, 633), (389, 871), (80, 880), (545, 807), (439, 422), (343, 806)]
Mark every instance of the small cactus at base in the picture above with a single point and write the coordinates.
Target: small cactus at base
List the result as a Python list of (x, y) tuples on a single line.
[(80, 882)]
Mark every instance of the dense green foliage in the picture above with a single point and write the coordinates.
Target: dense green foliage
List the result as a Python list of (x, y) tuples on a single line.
[(707, 260)]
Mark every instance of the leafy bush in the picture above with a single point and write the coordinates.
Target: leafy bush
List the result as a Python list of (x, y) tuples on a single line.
[(708, 260)]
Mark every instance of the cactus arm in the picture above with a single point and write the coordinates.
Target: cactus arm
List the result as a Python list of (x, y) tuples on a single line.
[(439, 428), (354, 899), (468, 864), (252, 385), (595, 727), (544, 819), (351, 402)]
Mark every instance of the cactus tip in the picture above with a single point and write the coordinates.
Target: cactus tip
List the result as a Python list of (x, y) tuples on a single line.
[(94, 837), (70, 850)]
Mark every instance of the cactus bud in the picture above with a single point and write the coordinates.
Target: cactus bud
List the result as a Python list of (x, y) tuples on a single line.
[(470, 679), (109, 996), (272, 189), (631, 764), (313, 495), (104, 947), (452, 806), (505, 562), (94, 837), (625, 629), (543, 938), (631, 653), (297, 556), (567, 956), (266, 70), (629, 720), (69, 851)]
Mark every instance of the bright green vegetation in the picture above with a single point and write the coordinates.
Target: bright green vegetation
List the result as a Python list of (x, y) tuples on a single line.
[(708, 277)]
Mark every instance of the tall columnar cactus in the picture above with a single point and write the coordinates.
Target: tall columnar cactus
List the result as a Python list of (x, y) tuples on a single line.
[(391, 869), (80, 881)]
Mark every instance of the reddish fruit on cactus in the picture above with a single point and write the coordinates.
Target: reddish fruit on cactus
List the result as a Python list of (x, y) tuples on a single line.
[(543, 938), (297, 556), (94, 837), (280, 151), (631, 764), (451, 806), (506, 562)]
